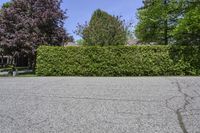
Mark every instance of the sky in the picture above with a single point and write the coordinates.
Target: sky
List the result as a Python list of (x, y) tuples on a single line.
[(80, 11)]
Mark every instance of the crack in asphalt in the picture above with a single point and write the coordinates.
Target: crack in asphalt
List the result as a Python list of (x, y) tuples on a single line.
[(181, 123), (187, 98), (178, 112), (198, 94), (86, 98), (105, 99), (187, 101), (37, 123), (167, 103), (180, 109)]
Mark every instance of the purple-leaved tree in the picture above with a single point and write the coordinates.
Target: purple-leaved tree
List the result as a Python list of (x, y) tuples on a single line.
[(27, 24)]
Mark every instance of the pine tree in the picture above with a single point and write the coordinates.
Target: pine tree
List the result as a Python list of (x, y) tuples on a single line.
[(161, 21), (157, 19), (187, 32)]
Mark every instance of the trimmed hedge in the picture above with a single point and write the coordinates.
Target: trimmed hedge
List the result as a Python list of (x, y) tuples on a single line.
[(118, 61)]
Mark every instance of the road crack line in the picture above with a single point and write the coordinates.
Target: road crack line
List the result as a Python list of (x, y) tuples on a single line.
[(180, 120), (187, 100)]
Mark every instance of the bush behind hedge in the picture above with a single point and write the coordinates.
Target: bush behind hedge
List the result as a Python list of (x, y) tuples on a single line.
[(118, 61)]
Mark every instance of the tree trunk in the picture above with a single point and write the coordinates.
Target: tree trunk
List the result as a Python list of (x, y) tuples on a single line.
[(166, 32), (166, 25), (29, 62), (34, 64), (2, 61), (14, 60)]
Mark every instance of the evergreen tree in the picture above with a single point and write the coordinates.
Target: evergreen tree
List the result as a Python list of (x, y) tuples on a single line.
[(103, 29), (187, 31), (157, 19)]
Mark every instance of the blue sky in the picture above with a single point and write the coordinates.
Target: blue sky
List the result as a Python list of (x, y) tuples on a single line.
[(80, 11)]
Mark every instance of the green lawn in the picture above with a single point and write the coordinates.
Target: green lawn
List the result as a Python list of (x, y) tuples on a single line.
[(7, 69), (21, 75), (27, 75)]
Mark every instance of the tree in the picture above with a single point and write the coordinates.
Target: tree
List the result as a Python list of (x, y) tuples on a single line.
[(1, 55), (187, 31), (80, 42), (147, 30), (103, 29), (70, 39), (26, 24), (157, 19), (6, 5)]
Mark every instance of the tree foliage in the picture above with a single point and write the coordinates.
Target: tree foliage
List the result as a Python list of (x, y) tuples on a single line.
[(26, 24), (158, 20), (6, 5), (80, 42), (188, 28), (154, 21), (103, 29)]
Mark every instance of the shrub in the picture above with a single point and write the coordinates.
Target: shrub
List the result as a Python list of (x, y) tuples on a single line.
[(118, 61)]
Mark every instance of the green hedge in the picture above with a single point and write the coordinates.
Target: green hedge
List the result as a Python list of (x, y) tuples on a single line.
[(118, 61)]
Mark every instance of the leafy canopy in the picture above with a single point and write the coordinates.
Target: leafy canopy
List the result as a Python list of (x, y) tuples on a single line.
[(103, 29), (26, 24), (188, 29), (164, 22)]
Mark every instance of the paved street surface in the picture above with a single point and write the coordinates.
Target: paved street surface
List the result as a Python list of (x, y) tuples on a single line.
[(100, 105)]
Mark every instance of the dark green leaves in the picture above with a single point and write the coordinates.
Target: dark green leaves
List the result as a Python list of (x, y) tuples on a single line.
[(187, 31), (118, 61), (169, 22), (103, 30)]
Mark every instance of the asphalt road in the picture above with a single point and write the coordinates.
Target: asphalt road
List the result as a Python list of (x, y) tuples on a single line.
[(100, 105)]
